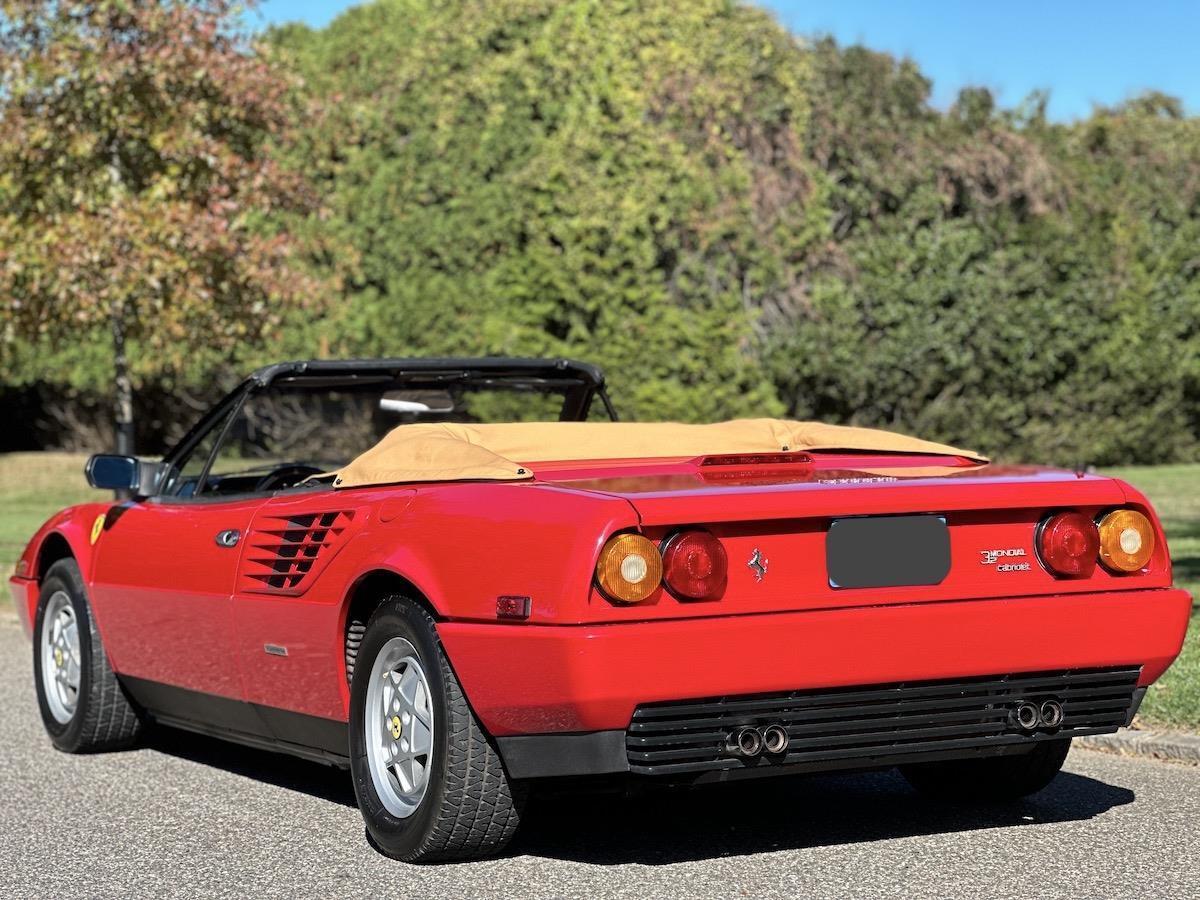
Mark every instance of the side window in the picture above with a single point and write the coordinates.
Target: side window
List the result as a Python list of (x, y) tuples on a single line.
[(185, 477), (280, 438)]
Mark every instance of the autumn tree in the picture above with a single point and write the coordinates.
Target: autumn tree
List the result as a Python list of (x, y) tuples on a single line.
[(141, 193)]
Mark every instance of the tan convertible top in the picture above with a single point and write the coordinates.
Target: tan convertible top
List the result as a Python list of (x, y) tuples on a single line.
[(454, 452)]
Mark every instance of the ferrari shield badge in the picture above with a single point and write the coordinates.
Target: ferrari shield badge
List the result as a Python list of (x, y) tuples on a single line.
[(98, 526)]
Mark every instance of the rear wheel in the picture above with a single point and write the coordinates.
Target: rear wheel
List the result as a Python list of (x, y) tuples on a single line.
[(83, 706), (991, 780), (430, 784)]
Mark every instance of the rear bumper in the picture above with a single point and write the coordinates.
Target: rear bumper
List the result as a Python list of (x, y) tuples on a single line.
[(607, 752), (574, 680)]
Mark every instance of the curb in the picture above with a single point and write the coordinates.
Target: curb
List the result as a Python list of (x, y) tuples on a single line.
[(1169, 745)]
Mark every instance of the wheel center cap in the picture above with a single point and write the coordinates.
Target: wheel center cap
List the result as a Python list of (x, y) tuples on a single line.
[(58, 657), (395, 727)]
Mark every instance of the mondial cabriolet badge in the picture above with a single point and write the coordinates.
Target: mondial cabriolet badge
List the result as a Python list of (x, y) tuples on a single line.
[(993, 557), (758, 565)]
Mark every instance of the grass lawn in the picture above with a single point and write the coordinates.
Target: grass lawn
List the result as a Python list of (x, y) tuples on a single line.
[(1174, 701), (35, 485)]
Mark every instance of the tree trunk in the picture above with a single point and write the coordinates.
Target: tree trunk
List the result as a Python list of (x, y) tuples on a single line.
[(123, 386)]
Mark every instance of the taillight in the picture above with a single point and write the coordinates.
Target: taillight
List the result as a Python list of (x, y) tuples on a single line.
[(1067, 544), (629, 569), (1126, 540), (694, 565)]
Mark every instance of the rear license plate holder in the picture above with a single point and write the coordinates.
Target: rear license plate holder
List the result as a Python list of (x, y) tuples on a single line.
[(887, 551)]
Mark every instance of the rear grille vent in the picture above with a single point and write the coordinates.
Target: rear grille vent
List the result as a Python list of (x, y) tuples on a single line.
[(284, 551), (878, 724)]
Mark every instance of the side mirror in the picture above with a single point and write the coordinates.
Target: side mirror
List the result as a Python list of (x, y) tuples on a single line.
[(113, 473)]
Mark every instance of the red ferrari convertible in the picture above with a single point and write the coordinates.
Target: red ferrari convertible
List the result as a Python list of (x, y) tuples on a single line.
[(456, 577)]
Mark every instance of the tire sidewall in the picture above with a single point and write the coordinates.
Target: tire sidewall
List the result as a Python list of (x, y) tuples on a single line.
[(64, 576), (393, 835)]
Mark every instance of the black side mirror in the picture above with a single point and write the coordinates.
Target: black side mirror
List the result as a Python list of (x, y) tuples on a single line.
[(110, 472)]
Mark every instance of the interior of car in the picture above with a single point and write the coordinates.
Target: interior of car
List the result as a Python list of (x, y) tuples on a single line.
[(289, 432)]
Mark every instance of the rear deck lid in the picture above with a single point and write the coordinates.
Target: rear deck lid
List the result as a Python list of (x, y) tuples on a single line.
[(843, 531)]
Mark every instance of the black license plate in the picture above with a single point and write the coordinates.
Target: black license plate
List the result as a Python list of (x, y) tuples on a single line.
[(887, 551)]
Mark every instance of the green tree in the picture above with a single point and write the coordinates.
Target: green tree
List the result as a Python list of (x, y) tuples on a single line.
[(996, 280), (731, 220), (140, 194), (624, 182)]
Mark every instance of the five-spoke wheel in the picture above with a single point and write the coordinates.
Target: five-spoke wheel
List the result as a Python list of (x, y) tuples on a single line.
[(84, 707), (61, 663), (429, 781), (400, 728)]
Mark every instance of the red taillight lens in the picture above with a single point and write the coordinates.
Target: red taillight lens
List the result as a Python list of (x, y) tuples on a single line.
[(695, 565), (1068, 543)]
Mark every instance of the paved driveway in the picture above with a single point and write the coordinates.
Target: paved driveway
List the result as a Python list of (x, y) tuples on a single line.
[(195, 817)]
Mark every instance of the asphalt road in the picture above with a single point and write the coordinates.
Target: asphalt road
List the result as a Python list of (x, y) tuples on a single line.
[(188, 816)]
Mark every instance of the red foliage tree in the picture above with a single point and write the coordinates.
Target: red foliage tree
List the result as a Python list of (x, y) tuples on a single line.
[(140, 183)]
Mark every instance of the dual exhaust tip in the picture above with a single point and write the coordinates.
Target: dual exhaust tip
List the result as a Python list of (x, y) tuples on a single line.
[(749, 742), (1030, 716)]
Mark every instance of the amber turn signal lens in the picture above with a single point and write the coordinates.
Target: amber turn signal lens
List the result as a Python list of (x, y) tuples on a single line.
[(1126, 540), (630, 568)]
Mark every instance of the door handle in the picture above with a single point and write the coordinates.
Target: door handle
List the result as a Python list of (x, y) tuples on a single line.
[(228, 538)]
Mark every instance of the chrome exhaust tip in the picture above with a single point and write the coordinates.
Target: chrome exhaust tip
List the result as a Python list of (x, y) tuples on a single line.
[(775, 739), (746, 742), (1026, 716), (1051, 714)]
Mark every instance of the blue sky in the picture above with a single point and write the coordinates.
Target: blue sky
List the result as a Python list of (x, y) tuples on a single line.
[(1101, 51)]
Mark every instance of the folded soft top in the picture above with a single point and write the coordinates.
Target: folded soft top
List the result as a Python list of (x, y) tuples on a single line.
[(454, 452)]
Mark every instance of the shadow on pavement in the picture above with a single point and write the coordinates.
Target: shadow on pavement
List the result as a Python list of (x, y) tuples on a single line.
[(662, 825), (289, 772)]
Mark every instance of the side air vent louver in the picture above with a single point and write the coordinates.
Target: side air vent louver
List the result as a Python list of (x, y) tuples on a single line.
[(284, 552)]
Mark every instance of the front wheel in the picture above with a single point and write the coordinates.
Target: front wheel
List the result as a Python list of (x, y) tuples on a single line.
[(430, 784), (990, 780), (83, 706)]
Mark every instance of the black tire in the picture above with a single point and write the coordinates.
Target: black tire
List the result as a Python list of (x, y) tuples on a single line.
[(992, 780), (471, 808), (104, 718)]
